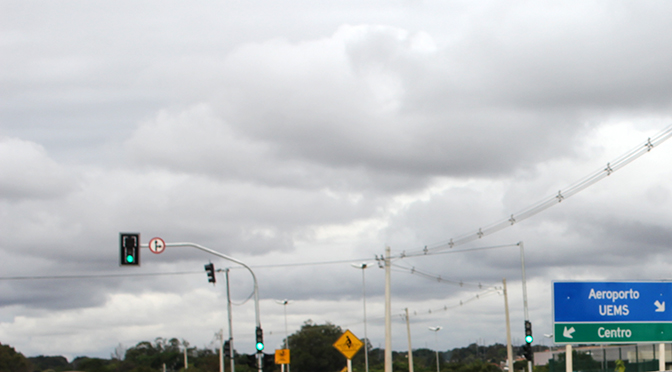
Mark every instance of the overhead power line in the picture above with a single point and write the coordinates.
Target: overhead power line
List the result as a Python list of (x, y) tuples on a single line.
[(571, 190), (478, 296), (95, 276)]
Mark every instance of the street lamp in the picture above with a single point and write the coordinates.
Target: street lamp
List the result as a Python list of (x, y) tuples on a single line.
[(436, 339), (284, 303), (363, 266)]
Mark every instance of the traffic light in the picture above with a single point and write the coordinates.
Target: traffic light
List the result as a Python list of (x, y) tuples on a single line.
[(528, 353), (210, 270), (227, 348), (129, 249), (528, 332), (260, 339), (527, 348)]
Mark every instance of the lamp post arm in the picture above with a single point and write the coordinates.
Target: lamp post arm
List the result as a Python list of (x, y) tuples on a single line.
[(222, 255)]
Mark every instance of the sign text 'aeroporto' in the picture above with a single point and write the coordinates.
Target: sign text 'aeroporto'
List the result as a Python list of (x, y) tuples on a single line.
[(611, 301)]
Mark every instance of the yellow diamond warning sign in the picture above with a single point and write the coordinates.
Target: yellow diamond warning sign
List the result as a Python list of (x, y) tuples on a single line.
[(348, 344), (282, 356)]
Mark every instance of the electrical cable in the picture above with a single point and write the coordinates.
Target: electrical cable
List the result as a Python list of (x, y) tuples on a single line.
[(571, 190)]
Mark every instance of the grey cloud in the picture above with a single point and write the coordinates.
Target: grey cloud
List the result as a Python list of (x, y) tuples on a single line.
[(29, 173)]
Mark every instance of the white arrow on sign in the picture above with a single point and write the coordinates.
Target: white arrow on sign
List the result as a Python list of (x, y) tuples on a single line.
[(568, 332), (660, 308)]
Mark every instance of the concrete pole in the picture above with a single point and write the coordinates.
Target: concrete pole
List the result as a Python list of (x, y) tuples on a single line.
[(410, 348), (186, 362), (661, 357), (509, 347), (388, 313), (221, 350), (568, 359)]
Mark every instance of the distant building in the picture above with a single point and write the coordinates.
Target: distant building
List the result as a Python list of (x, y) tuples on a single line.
[(608, 354)]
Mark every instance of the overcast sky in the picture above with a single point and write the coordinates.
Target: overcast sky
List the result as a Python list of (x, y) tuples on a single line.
[(302, 136)]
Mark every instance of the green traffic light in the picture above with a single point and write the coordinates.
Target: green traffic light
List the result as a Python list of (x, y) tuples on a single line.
[(528, 339), (260, 346), (129, 258)]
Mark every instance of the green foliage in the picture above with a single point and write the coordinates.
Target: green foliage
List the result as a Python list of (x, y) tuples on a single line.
[(312, 348), (11, 361), (54, 363), (493, 353), (311, 351)]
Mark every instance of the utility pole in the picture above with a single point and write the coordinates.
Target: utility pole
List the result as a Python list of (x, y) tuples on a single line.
[(410, 348), (186, 361), (220, 336), (436, 338)]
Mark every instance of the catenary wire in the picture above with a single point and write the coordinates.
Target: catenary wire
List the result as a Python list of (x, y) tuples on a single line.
[(571, 190)]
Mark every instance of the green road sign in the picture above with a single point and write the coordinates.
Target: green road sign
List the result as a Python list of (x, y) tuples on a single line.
[(612, 333)]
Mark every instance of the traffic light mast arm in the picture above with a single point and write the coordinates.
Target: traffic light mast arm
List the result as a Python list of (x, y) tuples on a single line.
[(218, 254)]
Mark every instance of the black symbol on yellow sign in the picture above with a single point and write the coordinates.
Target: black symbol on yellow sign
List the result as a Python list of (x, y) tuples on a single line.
[(348, 344), (282, 356)]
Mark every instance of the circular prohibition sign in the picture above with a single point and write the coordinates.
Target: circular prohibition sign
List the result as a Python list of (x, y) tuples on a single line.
[(157, 245)]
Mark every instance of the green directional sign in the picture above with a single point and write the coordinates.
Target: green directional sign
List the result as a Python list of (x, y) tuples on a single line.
[(612, 333)]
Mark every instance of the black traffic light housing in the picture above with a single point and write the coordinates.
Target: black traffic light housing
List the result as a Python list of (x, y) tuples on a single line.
[(210, 270), (129, 249), (260, 340), (527, 348), (227, 348), (528, 354), (528, 332)]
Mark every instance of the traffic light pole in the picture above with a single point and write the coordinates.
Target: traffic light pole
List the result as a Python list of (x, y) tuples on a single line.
[(254, 277), (527, 316), (228, 307)]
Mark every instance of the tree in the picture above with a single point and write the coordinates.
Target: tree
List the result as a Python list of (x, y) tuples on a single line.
[(313, 350), (55, 363), (11, 361)]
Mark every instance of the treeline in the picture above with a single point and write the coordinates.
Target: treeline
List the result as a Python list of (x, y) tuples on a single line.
[(311, 351)]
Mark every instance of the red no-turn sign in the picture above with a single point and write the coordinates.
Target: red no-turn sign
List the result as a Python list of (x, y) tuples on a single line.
[(157, 245)]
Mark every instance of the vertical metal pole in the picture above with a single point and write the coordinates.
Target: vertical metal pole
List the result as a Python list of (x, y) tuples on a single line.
[(286, 335), (527, 316), (436, 341), (228, 306), (509, 347), (388, 314), (522, 263), (410, 348), (366, 337), (568, 358)]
